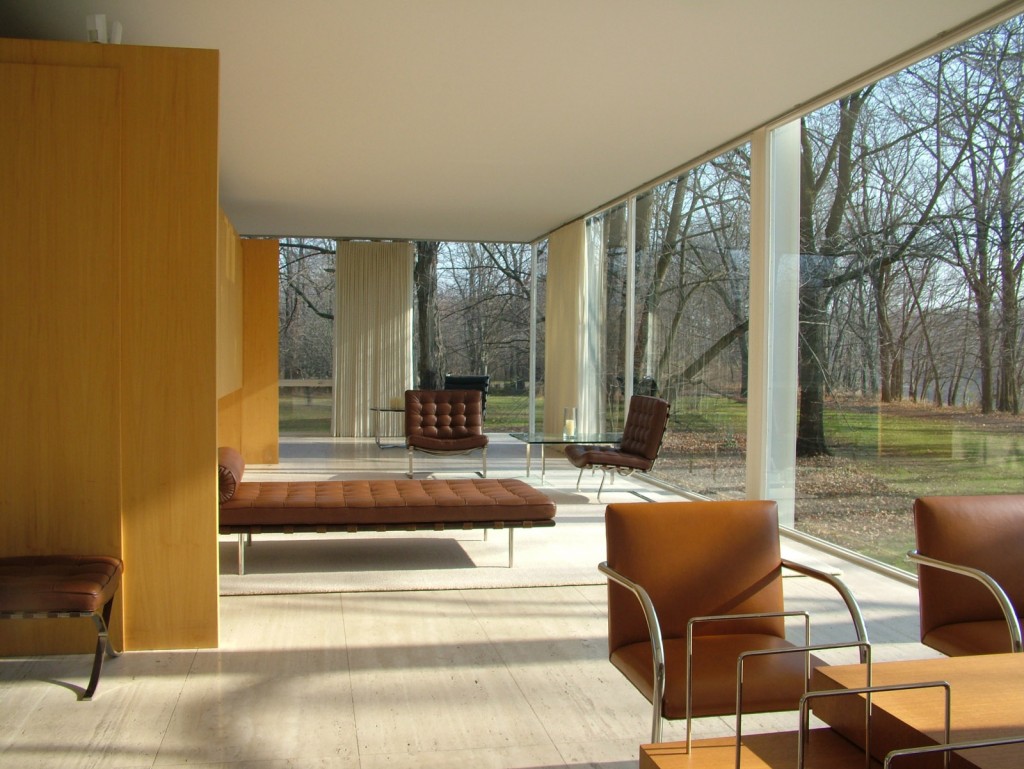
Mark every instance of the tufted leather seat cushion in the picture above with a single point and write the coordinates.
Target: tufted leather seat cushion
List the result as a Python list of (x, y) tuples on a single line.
[(444, 420), (58, 583), (334, 503), (584, 455)]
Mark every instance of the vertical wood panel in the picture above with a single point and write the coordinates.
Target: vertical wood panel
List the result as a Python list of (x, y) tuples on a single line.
[(59, 315), (260, 416), (230, 277), (229, 420), (169, 399)]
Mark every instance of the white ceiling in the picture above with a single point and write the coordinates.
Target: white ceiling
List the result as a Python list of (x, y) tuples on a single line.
[(490, 119)]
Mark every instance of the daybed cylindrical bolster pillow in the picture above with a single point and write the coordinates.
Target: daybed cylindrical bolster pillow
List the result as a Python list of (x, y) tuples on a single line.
[(230, 467)]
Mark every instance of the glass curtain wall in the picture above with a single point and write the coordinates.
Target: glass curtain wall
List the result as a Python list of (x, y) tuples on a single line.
[(690, 326), (911, 221), (306, 335), (912, 248), (479, 311)]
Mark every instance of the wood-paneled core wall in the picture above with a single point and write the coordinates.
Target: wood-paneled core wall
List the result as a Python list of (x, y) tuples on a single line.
[(108, 309)]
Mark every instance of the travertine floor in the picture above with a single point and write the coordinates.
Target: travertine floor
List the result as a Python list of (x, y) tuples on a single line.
[(474, 678)]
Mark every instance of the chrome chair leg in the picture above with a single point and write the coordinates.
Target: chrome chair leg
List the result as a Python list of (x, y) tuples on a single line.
[(604, 474), (103, 645)]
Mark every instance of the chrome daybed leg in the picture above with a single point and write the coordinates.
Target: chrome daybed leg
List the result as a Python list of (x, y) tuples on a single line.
[(485, 461), (241, 554), (510, 546)]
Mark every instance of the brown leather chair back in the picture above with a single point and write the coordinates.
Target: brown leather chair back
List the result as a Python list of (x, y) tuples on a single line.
[(645, 426), (443, 414), (695, 559), (983, 532)]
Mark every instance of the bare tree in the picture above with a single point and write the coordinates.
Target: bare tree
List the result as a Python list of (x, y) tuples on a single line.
[(306, 307)]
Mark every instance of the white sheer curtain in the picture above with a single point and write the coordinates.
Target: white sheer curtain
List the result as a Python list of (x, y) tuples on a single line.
[(565, 324), (372, 331)]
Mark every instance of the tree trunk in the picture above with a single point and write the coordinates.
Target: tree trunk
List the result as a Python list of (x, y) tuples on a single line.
[(1009, 290), (669, 246), (810, 440), (816, 267), (429, 345)]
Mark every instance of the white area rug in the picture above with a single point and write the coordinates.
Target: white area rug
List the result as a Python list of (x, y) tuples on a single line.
[(565, 554)]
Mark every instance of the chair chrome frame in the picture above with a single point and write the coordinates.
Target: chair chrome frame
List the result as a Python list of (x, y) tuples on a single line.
[(807, 649), (612, 470), (1009, 614), (410, 450), (949, 747), (867, 691)]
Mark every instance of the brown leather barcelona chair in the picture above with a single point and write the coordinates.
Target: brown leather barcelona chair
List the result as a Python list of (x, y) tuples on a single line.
[(970, 576), (638, 448), (706, 578), (444, 422)]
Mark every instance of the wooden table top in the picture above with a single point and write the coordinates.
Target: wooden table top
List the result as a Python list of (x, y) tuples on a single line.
[(987, 701)]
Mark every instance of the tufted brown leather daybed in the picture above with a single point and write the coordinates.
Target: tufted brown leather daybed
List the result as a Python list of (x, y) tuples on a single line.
[(59, 586), (248, 508)]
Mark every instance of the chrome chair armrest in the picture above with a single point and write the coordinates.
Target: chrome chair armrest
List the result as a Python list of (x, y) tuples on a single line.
[(657, 646), (867, 691), (1009, 614), (949, 747), (844, 592)]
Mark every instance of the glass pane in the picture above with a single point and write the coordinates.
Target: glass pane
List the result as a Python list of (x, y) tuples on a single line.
[(306, 335), (910, 330), (483, 324), (690, 340)]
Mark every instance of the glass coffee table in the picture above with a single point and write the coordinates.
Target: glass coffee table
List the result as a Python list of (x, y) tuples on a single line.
[(560, 439), (377, 411)]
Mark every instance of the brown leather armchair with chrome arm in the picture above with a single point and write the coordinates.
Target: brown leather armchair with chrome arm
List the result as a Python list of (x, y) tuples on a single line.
[(692, 587), (970, 554)]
